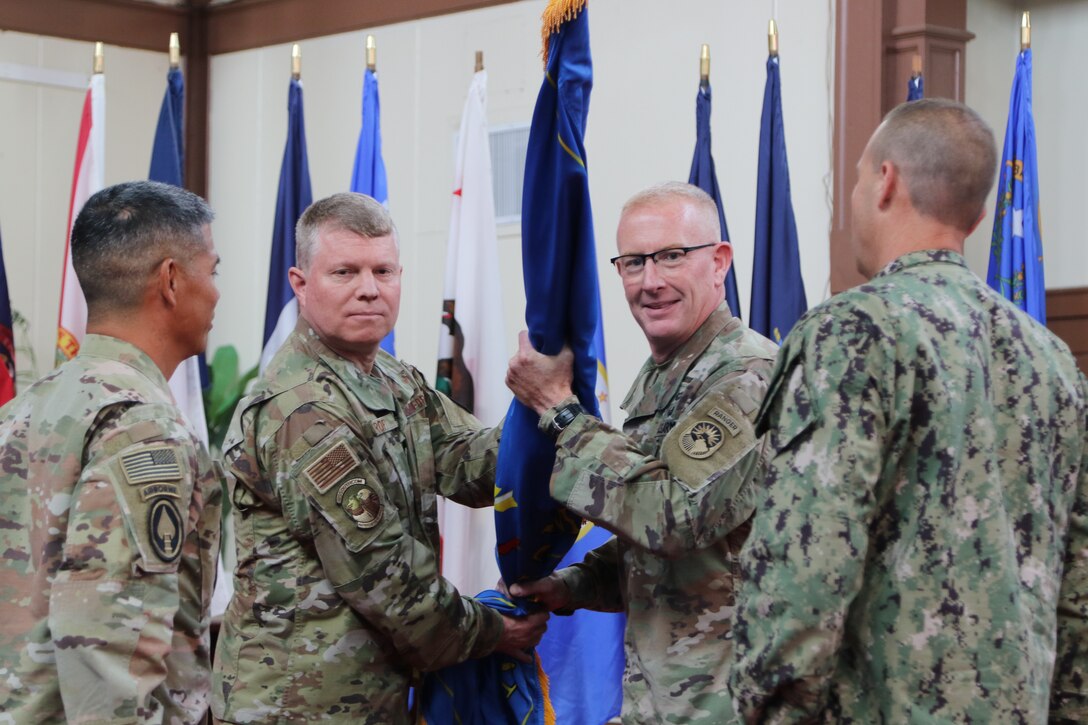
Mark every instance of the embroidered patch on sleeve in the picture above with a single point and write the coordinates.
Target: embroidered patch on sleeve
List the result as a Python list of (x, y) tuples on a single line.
[(164, 529), (333, 465), (151, 464)]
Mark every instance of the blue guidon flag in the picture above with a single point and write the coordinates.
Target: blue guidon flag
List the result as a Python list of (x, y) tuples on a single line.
[(7, 339), (559, 264)]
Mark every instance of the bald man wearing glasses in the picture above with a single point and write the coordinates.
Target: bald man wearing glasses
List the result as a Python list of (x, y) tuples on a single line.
[(679, 484)]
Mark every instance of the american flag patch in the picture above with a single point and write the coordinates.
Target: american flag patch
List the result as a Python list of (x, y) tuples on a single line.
[(151, 464), (332, 466)]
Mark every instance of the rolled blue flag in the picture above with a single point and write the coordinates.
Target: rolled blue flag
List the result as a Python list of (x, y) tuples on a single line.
[(778, 292)]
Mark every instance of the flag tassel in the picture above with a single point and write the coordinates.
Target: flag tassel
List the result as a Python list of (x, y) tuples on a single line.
[(555, 15)]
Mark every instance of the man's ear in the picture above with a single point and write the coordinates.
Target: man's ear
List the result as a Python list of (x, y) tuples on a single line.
[(297, 279), (890, 183), (723, 258), (166, 280)]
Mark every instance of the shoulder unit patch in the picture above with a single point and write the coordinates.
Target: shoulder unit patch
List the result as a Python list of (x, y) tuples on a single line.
[(701, 439), (164, 529)]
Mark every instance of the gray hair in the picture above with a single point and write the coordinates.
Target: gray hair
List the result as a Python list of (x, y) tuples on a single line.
[(695, 197), (125, 231), (348, 211), (946, 155)]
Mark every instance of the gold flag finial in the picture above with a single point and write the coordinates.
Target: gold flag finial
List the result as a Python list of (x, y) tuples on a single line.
[(371, 54), (916, 66), (704, 64), (479, 60), (1025, 31), (296, 61), (175, 50), (99, 58), (772, 38)]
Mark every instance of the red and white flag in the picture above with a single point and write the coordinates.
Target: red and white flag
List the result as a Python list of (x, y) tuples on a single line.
[(86, 180), (472, 347)]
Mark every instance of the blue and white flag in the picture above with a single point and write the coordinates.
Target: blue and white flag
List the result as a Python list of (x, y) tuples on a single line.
[(281, 307), (1016, 250), (916, 88)]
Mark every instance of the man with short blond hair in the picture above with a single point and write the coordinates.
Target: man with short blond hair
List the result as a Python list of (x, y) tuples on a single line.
[(335, 461)]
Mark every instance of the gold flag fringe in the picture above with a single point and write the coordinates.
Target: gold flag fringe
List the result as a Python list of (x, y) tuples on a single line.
[(557, 13)]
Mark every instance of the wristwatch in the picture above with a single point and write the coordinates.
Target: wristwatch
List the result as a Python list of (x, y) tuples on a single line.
[(565, 416)]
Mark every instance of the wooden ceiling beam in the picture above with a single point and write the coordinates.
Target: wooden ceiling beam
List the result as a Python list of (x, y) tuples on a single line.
[(246, 24), (115, 22)]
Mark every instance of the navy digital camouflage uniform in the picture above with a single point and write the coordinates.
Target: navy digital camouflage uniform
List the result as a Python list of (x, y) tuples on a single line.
[(109, 524), (922, 552), (338, 601), (677, 486)]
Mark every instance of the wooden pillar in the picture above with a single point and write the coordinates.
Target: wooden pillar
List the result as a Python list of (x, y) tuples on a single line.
[(196, 100), (875, 43)]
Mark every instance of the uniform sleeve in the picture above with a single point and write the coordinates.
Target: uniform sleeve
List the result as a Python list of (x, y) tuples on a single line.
[(383, 571), (1069, 691), (594, 583), (803, 563), (705, 483), (466, 455), (113, 604)]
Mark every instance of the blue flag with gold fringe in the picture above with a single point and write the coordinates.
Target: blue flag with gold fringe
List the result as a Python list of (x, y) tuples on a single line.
[(703, 175), (559, 264), (778, 292), (1016, 250), (916, 88)]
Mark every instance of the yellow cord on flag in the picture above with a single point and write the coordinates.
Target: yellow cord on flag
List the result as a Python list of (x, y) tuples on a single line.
[(545, 691), (557, 13)]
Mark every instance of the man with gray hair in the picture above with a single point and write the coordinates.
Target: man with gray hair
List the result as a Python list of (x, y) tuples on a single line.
[(335, 461), (109, 504), (679, 483), (922, 553)]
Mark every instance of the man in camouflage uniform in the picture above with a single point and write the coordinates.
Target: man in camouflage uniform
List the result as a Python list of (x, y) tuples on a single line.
[(109, 504), (921, 554), (679, 484), (335, 462)]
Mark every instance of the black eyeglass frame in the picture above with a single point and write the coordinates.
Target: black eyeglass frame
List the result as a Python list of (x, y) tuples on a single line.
[(653, 255)]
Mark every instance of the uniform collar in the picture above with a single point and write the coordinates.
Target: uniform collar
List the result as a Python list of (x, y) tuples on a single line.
[(926, 256), (670, 373), (114, 348), (376, 390)]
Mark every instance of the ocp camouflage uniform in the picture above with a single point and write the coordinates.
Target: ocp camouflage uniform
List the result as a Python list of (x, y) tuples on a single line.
[(338, 599), (109, 524), (923, 549), (677, 486)]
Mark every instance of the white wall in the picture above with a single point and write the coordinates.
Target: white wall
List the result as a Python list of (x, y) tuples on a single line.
[(1060, 101), (641, 130), (39, 125)]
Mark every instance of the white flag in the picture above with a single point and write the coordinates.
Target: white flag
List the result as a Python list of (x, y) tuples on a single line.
[(472, 348), (87, 178)]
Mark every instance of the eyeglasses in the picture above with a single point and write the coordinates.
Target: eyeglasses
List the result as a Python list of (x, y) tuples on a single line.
[(633, 265)]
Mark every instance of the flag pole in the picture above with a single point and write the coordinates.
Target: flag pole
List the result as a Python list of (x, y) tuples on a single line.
[(704, 66), (175, 51), (772, 38), (479, 61), (1025, 31), (99, 58), (296, 62), (371, 54)]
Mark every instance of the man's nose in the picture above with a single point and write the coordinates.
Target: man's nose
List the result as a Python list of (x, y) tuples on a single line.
[(366, 286), (651, 275)]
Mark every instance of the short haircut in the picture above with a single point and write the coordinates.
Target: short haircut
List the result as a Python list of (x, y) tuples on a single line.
[(347, 211), (125, 231), (668, 191), (946, 155)]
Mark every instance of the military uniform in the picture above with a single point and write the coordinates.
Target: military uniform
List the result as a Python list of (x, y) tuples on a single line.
[(109, 524), (338, 599), (677, 487), (921, 554)]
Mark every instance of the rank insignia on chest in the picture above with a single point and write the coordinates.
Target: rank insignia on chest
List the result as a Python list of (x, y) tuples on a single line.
[(360, 502), (164, 529), (150, 465), (701, 439), (333, 465)]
